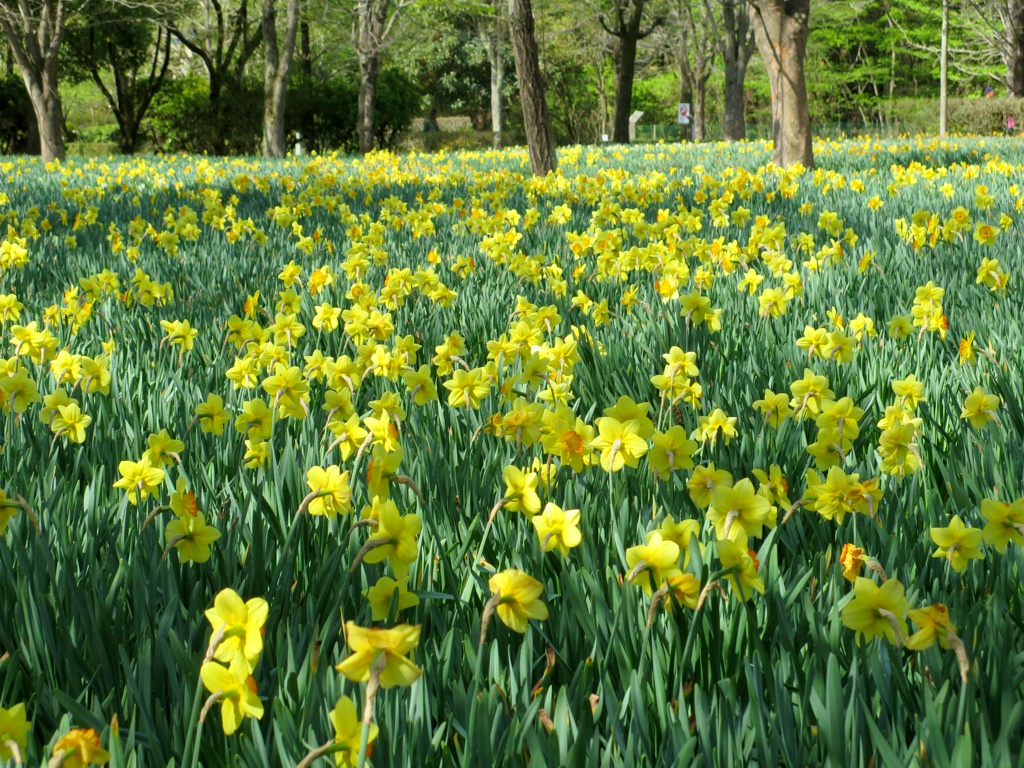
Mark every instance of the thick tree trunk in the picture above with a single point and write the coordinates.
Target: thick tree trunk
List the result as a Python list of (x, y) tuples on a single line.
[(1015, 71), (129, 139), (624, 90), (539, 138), (370, 42), (735, 122), (277, 70), (780, 29), (46, 104), (49, 114), (35, 46), (369, 69), (276, 91)]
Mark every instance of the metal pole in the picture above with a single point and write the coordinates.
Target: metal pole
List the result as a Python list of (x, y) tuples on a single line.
[(943, 77)]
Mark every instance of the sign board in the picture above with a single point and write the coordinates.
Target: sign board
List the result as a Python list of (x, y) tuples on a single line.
[(684, 113), (684, 121)]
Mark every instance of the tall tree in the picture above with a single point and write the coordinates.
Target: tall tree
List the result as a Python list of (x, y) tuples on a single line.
[(492, 27), (127, 56), (736, 44), (1002, 26), (536, 121), (695, 48), (375, 22), (224, 43), (35, 30), (780, 28), (277, 68), (626, 25)]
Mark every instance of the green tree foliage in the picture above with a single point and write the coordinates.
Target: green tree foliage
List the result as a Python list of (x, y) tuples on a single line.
[(452, 67), (874, 62), (126, 55), (231, 126)]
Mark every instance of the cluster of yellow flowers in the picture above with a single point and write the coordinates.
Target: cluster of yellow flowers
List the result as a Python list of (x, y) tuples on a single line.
[(77, 748), (527, 388), (234, 651), (881, 611)]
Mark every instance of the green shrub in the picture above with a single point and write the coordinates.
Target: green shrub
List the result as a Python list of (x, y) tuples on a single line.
[(398, 101), (455, 141), (965, 115), (233, 126), (16, 117), (980, 115), (324, 112)]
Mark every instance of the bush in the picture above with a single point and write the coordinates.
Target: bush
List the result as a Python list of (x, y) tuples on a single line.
[(456, 141), (980, 115), (324, 112), (234, 127), (16, 116), (966, 115), (398, 101)]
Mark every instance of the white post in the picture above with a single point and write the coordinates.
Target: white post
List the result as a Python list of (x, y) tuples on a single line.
[(943, 74), (633, 120)]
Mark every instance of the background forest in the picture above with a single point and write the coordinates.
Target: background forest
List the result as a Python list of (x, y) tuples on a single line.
[(127, 73)]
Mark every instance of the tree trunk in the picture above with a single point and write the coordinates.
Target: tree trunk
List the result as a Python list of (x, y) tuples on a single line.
[(780, 29), (496, 60), (277, 70), (35, 46), (737, 44), (373, 28), (224, 47), (274, 143), (49, 113), (369, 68), (306, 60), (539, 138), (42, 92), (1015, 71), (129, 139), (218, 142), (624, 90), (697, 108), (735, 123)]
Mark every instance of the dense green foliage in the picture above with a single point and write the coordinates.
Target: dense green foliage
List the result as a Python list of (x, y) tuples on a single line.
[(240, 110)]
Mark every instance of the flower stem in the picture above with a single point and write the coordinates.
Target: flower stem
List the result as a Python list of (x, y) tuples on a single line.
[(193, 720), (371, 694)]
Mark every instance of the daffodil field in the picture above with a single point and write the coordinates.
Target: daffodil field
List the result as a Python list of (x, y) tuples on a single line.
[(673, 458)]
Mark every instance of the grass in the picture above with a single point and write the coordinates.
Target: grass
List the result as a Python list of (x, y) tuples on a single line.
[(99, 630)]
